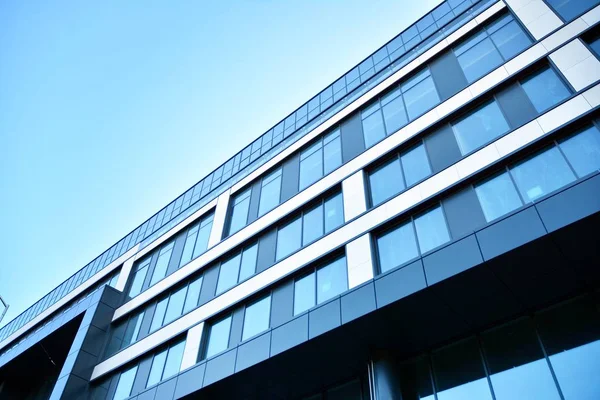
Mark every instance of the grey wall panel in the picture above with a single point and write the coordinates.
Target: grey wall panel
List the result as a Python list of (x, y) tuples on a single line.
[(147, 321), (463, 212), (266, 250), (150, 271), (254, 202), (516, 106), (176, 255), (209, 284), (324, 318), (190, 381), (253, 352), (452, 260), (447, 75), (220, 367), (353, 142), (282, 304), (290, 177), (166, 390), (442, 148), (237, 322), (358, 302), (141, 377), (289, 335), (401, 283)]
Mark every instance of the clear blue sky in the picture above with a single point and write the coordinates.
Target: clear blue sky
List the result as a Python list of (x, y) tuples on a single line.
[(111, 109)]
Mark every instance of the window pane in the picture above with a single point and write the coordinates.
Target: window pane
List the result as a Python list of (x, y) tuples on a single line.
[(510, 40), (138, 279), (188, 248), (256, 318), (239, 214), (397, 247), (431, 230), (289, 238), (420, 98), (480, 127), (248, 267), (158, 364), (595, 45), (570, 9), (394, 112), (173, 360), (219, 337), (313, 225), (331, 280), (542, 174), (583, 151), (125, 384), (202, 240), (332, 151), (373, 129), (228, 273), (545, 89), (159, 314), (416, 165), (498, 196), (193, 294), (311, 168), (304, 293), (517, 366), (175, 306), (160, 270), (479, 60), (133, 329), (269, 194), (334, 212), (386, 182)]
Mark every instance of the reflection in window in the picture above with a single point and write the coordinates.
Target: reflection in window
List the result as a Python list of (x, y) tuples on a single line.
[(334, 212), (133, 329), (166, 364), (313, 222), (397, 247), (508, 36), (480, 127), (415, 165), (583, 151), (270, 192), (218, 338), (239, 212), (159, 314), (160, 269), (322, 285), (431, 229), (138, 278), (196, 240), (372, 122), (394, 112), (125, 384), (175, 306), (571, 9), (545, 89), (420, 94), (192, 296), (304, 293), (256, 318), (289, 238), (237, 268), (320, 159), (498, 196)]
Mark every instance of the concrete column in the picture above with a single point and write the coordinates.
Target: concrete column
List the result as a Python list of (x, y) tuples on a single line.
[(355, 200), (218, 227), (359, 259)]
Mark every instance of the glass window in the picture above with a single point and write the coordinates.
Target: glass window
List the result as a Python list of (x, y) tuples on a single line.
[(156, 370), (159, 314), (218, 339), (510, 39), (160, 270), (480, 127), (188, 248), (431, 230), (289, 238), (313, 225), (133, 329), (239, 213), (394, 112), (125, 384), (138, 279), (248, 266), (173, 363), (420, 94), (304, 293), (583, 151), (477, 56), (459, 372), (269, 192), (228, 273), (542, 174), (397, 247), (373, 129), (595, 45), (331, 280), (175, 306), (545, 89), (386, 181), (334, 212), (256, 318), (498, 196), (192, 296), (332, 151), (311, 165), (203, 235), (516, 363), (416, 165), (571, 9)]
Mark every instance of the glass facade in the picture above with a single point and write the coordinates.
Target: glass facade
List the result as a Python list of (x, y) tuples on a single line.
[(320, 285), (571, 9), (218, 337), (237, 268)]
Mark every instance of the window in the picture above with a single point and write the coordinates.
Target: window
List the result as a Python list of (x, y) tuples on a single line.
[(269, 192), (320, 159), (159, 314), (218, 338), (545, 89), (160, 270), (313, 224), (583, 151), (166, 364), (125, 384), (175, 306), (571, 9), (334, 212), (320, 285), (237, 268), (431, 229), (397, 247), (133, 329), (192, 296), (256, 318), (480, 127), (138, 278), (595, 45), (498, 196), (394, 112), (289, 238), (420, 94), (372, 122), (239, 212), (196, 241)]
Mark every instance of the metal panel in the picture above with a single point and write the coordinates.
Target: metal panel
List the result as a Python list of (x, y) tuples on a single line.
[(353, 142), (290, 177), (448, 76), (442, 148), (516, 106)]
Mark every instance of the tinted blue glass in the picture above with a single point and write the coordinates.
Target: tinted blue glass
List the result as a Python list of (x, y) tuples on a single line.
[(228, 273), (239, 214), (218, 339), (248, 266), (498, 196), (256, 318), (542, 174), (188, 248), (312, 225), (202, 239), (331, 280), (156, 370), (159, 314), (397, 247), (175, 306), (332, 152), (415, 165), (394, 112), (431, 229), (583, 151), (386, 182), (420, 98), (269, 194), (160, 270), (192, 296), (289, 238), (480, 127), (311, 165), (545, 89), (510, 40), (595, 45), (138, 279), (373, 129), (173, 362), (304, 293), (125, 384), (133, 329), (334, 212), (479, 59), (571, 9)]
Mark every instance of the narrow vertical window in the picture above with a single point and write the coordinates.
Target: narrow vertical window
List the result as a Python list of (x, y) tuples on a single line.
[(239, 212), (311, 165), (218, 338), (270, 192), (228, 273), (192, 296), (256, 318), (125, 384), (159, 314), (545, 89), (386, 181), (175, 306), (583, 151), (332, 280), (248, 264), (160, 270), (394, 112), (138, 278), (304, 293), (431, 229), (289, 238), (372, 122), (334, 212)]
